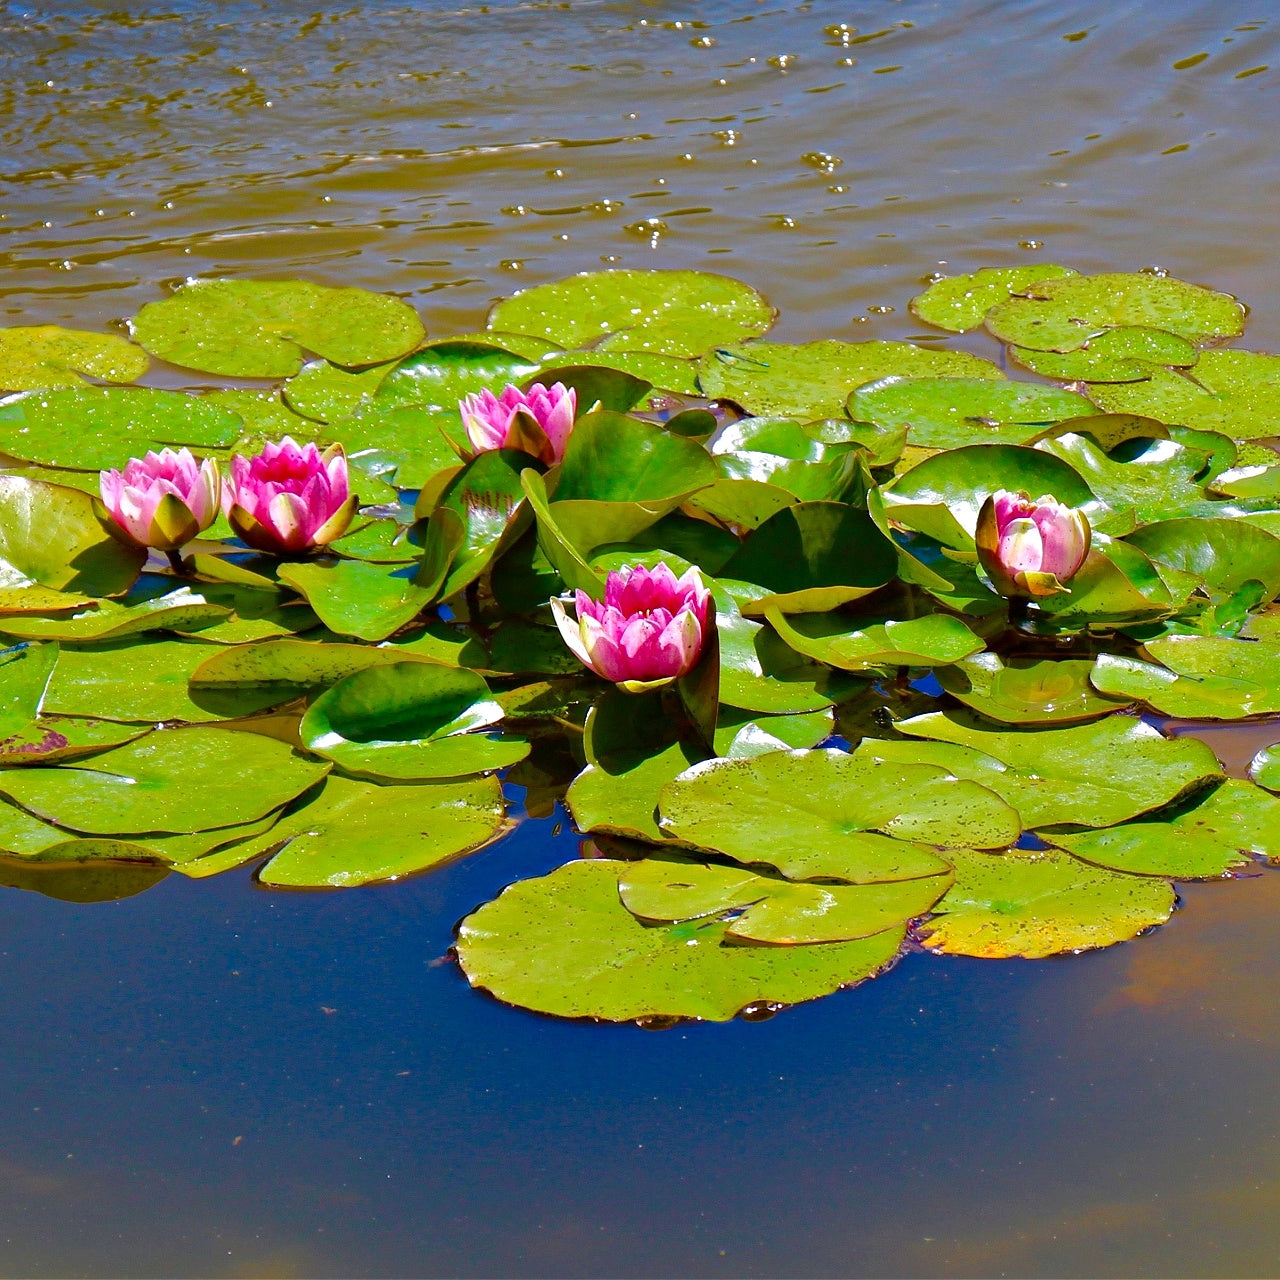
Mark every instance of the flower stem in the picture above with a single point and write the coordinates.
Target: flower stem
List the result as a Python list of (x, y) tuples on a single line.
[(178, 564), (1017, 613)]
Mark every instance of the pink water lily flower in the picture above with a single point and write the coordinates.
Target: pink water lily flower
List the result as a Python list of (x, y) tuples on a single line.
[(648, 630), (1028, 548), (290, 498), (163, 500), (537, 421)]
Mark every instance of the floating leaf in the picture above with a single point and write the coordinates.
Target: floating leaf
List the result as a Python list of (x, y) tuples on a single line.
[(353, 598), (1041, 904), (814, 380), (814, 556), (947, 413), (934, 640), (1064, 314), (403, 443), (1115, 355), (95, 428), (748, 733), (958, 303), (672, 313), (409, 721), (48, 356), (618, 792), (260, 328), (178, 610), (1019, 690), (443, 373), (759, 672), (671, 888), (1223, 555), (25, 670), (59, 538), (355, 833), (1208, 837), (327, 392), (815, 814), (171, 780), (564, 944), (1117, 585), (1096, 774)]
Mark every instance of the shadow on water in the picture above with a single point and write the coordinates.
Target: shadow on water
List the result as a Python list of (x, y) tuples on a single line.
[(212, 1079)]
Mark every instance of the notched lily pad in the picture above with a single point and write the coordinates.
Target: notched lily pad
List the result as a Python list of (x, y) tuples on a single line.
[(564, 944), (260, 328), (1041, 904), (958, 303), (49, 356)]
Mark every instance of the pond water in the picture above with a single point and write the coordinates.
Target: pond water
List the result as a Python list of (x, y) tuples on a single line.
[(215, 1079)]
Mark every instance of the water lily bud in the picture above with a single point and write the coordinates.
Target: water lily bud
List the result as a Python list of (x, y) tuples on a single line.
[(648, 630), (289, 498), (537, 421), (1030, 549), (163, 500)]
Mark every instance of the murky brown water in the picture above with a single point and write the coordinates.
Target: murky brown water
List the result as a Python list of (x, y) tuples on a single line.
[(211, 1080)]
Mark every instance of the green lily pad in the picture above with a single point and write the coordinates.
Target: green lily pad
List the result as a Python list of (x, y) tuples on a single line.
[(355, 833), (1264, 768), (142, 681), (179, 610), (741, 504), (96, 428), (620, 475), (1195, 697), (25, 670), (564, 944), (941, 496), (672, 888), (1064, 314), (354, 598), (816, 814), (814, 556), (1097, 774), (947, 413), (666, 373), (671, 313), (409, 721), (1041, 904), (1117, 585), (595, 386), (443, 373), (403, 444), (959, 303), (759, 672), (1018, 690), (260, 328), (748, 733), (1203, 839), (617, 793), (934, 640), (327, 392), (1157, 481), (1236, 393), (1115, 355), (1223, 555), (49, 356), (826, 475), (171, 780), (52, 739), (814, 380)]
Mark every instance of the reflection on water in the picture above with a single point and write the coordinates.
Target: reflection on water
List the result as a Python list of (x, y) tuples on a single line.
[(211, 1079)]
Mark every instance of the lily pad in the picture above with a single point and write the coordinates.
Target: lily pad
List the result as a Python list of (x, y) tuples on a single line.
[(1115, 355), (759, 672), (327, 392), (947, 413), (354, 833), (1097, 774), (958, 303), (171, 780), (1064, 314), (409, 721), (403, 444), (934, 640), (1223, 555), (671, 888), (96, 428), (1234, 392), (354, 598), (564, 944), (1204, 839), (179, 610), (672, 313), (814, 556), (1025, 690), (1041, 904), (817, 814), (814, 380), (260, 328), (617, 793), (748, 733), (49, 356), (443, 373)]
